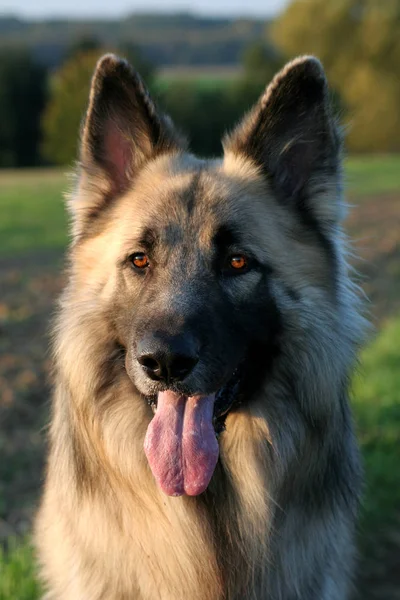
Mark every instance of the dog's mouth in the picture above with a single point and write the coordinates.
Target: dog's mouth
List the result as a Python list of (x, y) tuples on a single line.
[(225, 399), (181, 441)]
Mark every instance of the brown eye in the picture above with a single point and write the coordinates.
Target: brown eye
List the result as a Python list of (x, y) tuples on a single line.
[(140, 260), (238, 262)]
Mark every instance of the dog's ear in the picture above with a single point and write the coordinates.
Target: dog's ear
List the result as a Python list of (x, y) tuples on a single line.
[(122, 130), (290, 134)]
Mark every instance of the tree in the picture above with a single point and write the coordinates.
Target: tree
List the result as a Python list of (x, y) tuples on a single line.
[(260, 63), (65, 110), (134, 56), (22, 97), (68, 99), (358, 42), (82, 45), (203, 112)]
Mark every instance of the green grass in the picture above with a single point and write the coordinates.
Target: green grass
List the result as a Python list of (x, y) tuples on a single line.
[(376, 404), (32, 211), (33, 215), (376, 401), (200, 77), (17, 573), (366, 175)]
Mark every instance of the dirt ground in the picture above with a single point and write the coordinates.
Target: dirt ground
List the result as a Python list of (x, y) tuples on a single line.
[(29, 286), (374, 227)]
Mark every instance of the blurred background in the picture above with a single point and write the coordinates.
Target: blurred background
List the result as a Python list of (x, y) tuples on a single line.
[(205, 63)]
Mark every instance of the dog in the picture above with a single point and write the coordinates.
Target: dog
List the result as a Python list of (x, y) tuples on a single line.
[(201, 440)]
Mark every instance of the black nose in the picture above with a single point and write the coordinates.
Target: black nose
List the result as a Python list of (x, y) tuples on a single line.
[(167, 359)]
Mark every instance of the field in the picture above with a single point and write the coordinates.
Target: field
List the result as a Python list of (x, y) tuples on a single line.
[(201, 76), (32, 237)]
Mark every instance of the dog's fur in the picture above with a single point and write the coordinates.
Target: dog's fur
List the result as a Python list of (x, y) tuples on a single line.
[(277, 520)]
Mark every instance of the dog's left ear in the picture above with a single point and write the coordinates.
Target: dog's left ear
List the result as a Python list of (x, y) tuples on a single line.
[(122, 131), (290, 134)]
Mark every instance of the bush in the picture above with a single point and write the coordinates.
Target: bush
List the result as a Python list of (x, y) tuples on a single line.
[(22, 97), (17, 573), (359, 43), (68, 99)]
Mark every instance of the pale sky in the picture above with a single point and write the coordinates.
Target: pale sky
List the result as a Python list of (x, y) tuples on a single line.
[(117, 8)]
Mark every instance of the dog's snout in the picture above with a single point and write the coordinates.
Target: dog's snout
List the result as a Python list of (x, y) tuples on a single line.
[(167, 359)]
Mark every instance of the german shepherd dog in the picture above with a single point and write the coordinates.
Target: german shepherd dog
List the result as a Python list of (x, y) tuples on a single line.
[(201, 442)]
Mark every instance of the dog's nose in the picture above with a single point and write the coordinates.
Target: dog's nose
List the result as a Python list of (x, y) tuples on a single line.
[(167, 359)]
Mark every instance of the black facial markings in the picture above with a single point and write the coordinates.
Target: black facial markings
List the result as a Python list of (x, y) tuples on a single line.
[(172, 235), (225, 237), (148, 239), (192, 192)]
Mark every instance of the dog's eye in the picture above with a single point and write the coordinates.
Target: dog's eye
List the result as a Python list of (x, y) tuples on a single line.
[(238, 262), (140, 261)]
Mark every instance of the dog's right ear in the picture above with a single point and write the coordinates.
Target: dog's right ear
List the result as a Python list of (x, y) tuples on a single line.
[(121, 132), (292, 138)]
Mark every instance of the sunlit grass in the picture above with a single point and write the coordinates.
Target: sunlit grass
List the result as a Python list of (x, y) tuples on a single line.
[(32, 211), (366, 175), (376, 401), (33, 215), (17, 573)]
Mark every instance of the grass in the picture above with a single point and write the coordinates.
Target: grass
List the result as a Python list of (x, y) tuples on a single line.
[(32, 212), (17, 573), (368, 175), (202, 78), (377, 407), (33, 216)]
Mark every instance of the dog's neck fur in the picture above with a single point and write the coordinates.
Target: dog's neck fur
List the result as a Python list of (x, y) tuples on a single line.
[(254, 483)]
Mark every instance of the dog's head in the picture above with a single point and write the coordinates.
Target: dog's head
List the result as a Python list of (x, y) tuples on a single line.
[(193, 262)]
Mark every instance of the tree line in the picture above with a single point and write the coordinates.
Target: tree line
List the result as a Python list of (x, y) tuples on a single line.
[(164, 39), (46, 110), (358, 42)]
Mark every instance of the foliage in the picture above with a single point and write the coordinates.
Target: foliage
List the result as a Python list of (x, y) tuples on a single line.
[(164, 39), (260, 63), (82, 45), (357, 40), (359, 43), (68, 100), (204, 113), (133, 55), (377, 407), (66, 106), (17, 573), (22, 95)]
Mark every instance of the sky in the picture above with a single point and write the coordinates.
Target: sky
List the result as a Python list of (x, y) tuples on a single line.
[(116, 8)]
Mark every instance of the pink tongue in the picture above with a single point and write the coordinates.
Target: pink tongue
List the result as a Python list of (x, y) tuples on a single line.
[(180, 443)]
